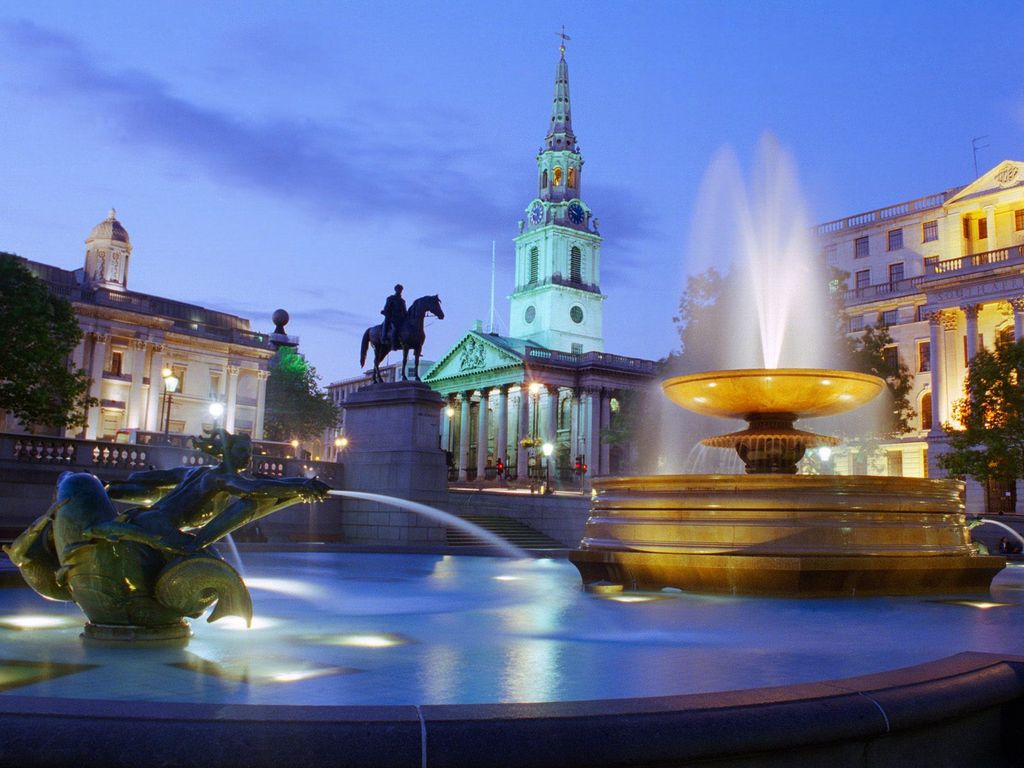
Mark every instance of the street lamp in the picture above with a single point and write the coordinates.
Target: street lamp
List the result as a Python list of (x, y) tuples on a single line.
[(534, 390), (170, 387), (548, 449), (295, 448), (216, 411), (340, 444)]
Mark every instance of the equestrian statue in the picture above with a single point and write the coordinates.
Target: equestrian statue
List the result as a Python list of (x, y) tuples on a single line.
[(400, 330)]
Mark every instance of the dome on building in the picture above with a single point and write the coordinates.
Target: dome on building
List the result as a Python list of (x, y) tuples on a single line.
[(109, 229)]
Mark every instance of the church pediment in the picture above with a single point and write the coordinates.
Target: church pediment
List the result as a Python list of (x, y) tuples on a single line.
[(1009, 173), (472, 355)]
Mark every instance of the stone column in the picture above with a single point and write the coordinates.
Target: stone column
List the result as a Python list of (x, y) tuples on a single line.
[(551, 425), (231, 403), (481, 433), (574, 424), (464, 438), (971, 313), (156, 384), (592, 426), (78, 363), (501, 433), (522, 454), (261, 403), (135, 404), (935, 365), (99, 358), (1018, 317), (606, 421)]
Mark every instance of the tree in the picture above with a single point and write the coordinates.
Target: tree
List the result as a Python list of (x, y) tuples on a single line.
[(875, 353), (991, 443), (296, 406), (37, 383)]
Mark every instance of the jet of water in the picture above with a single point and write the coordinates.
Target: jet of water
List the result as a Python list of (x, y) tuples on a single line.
[(445, 518)]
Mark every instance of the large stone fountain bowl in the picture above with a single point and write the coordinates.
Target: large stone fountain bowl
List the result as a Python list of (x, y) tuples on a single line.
[(802, 392)]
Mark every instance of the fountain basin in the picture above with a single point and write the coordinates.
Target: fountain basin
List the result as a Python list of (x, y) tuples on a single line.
[(782, 535)]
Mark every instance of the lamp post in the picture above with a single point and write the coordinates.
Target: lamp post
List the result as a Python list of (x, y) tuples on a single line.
[(216, 411), (295, 448), (340, 444), (548, 449), (534, 389), (170, 387)]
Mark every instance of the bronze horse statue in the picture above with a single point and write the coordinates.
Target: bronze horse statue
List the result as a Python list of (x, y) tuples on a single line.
[(410, 336)]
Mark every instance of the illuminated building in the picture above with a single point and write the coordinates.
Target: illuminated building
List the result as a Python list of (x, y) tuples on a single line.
[(945, 274)]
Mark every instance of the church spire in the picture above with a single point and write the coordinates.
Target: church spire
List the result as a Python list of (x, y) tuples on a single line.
[(560, 135)]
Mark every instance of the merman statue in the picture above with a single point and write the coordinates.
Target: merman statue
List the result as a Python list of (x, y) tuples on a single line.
[(137, 574)]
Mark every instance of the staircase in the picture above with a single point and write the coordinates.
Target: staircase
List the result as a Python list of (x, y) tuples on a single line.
[(512, 531)]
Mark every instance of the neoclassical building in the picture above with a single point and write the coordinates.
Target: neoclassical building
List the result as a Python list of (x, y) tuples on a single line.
[(549, 380), (945, 273), (130, 339)]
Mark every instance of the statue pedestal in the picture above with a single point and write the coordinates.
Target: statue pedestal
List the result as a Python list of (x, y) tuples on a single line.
[(393, 432)]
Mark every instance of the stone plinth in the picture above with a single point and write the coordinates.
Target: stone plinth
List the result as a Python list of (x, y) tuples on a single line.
[(393, 449)]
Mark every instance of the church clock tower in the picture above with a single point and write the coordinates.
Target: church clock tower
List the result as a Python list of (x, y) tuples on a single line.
[(557, 302)]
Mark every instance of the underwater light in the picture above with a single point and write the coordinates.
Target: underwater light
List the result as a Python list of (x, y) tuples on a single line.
[(237, 623), (368, 641), (38, 621)]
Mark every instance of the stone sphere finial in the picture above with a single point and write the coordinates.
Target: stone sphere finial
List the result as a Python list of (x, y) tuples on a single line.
[(280, 319)]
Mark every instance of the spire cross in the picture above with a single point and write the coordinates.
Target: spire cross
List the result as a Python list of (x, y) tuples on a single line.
[(564, 38)]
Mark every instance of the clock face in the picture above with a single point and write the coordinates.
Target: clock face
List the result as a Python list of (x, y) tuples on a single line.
[(537, 213), (576, 213), (531, 313)]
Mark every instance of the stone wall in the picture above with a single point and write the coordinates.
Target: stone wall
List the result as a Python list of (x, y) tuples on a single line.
[(561, 516)]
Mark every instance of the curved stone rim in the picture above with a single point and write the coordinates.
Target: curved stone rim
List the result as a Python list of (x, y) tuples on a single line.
[(939, 699)]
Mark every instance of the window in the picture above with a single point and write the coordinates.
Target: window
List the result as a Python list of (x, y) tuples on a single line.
[(572, 178), (178, 371), (894, 463), (895, 239), (116, 363), (576, 265), (982, 229), (856, 323), (895, 272), (924, 356), (860, 247), (556, 176), (967, 229), (891, 357), (534, 266), (1018, 219), (890, 317), (544, 179), (863, 279), (214, 385), (926, 413), (577, 349), (831, 253), (929, 231), (931, 264), (1005, 335)]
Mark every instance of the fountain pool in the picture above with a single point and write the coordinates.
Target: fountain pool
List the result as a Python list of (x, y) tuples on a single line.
[(372, 629)]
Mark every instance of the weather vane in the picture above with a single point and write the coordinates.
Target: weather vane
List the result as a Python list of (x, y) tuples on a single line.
[(564, 38)]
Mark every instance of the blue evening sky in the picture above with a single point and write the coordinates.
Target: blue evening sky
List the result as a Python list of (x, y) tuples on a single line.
[(308, 155)]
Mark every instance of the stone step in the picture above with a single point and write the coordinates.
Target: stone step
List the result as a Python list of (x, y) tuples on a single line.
[(512, 531)]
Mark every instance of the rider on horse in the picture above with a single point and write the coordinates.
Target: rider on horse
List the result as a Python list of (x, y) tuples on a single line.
[(394, 313)]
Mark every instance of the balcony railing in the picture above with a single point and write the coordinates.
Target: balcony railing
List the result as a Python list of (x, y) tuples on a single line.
[(978, 262), (883, 214), (585, 359), (883, 290)]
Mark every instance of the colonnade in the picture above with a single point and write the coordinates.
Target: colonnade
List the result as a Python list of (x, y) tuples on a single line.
[(942, 361), (143, 405), (524, 412)]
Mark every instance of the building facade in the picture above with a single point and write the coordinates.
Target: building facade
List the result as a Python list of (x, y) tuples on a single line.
[(945, 274), (137, 347), (549, 381)]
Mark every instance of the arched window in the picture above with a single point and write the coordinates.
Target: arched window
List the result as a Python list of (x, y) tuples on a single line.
[(564, 414), (576, 265), (534, 265), (557, 176), (572, 177), (925, 409), (544, 179)]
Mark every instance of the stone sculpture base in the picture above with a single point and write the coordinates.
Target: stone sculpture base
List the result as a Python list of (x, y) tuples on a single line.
[(130, 633), (793, 535)]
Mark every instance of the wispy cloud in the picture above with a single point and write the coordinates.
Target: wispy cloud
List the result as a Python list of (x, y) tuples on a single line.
[(332, 169)]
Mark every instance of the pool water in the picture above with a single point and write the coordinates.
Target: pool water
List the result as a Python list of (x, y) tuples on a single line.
[(341, 628)]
